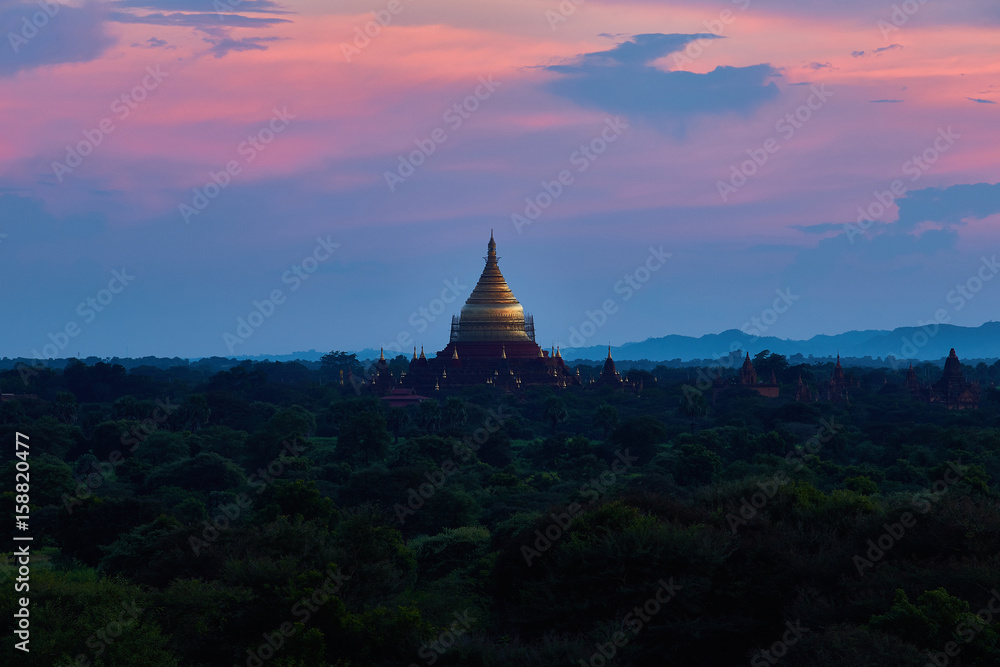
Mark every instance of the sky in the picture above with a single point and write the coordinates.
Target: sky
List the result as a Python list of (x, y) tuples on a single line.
[(238, 177)]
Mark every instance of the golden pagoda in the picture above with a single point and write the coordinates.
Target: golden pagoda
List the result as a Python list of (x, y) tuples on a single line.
[(491, 313), (492, 342)]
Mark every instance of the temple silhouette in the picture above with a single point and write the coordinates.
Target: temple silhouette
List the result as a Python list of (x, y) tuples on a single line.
[(492, 342), (952, 390)]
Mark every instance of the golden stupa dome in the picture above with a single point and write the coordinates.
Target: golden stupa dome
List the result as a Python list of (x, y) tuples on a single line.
[(491, 312)]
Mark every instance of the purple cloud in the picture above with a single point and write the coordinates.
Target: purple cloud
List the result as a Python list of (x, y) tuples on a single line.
[(56, 34)]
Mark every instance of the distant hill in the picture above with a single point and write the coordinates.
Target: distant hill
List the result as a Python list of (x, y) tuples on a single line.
[(930, 343)]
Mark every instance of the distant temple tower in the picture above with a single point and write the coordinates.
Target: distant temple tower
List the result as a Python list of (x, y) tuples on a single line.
[(802, 393), (952, 390), (747, 379), (609, 376), (492, 342), (384, 381), (911, 383), (748, 374), (838, 388)]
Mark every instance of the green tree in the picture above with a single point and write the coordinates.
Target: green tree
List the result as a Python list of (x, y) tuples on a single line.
[(767, 362), (555, 411), (373, 553), (692, 405), (454, 413), (128, 407), (205, 472), (336, 361), (429, 416), (12, 413), (697, 464), (397, 419), (939, 618), (606, 418), (65, 408), (364, 437), (640, 435), (193, 412), (288, 498), (163, 447)]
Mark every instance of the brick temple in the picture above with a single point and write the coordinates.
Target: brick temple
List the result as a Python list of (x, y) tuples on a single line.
[(952, 390), (492, 342)]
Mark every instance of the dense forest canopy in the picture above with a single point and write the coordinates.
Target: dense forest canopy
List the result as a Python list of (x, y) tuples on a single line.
[(264, 513)]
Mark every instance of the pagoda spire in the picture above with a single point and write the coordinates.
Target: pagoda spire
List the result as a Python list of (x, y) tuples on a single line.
[(838, 371), (381, 354), (491, 251), (748, 374), (491, 313)]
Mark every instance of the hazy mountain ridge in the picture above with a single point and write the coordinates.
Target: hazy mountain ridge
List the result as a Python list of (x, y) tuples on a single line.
[(928, 343)]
